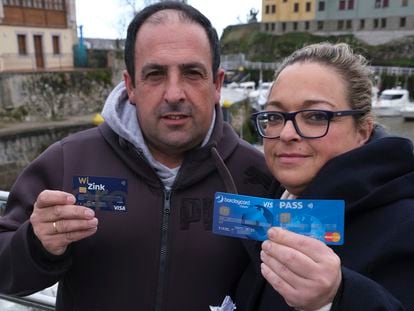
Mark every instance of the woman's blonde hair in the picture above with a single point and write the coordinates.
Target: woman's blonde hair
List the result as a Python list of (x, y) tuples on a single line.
[(351, 67)]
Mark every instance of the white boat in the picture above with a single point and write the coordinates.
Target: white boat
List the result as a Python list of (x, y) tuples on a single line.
[(258, 97), (407, 112), (230, 96), (243, 87), (391, 102), (374, 95)]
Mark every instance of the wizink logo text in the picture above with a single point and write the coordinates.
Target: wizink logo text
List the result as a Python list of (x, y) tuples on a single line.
[(91, 186)]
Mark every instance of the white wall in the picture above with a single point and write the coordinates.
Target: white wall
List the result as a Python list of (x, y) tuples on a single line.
[(11, 60)]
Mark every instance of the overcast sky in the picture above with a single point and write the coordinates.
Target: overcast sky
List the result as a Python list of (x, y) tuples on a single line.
[(109, 18)]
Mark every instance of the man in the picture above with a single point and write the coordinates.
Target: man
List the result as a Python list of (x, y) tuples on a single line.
[(127, 224)]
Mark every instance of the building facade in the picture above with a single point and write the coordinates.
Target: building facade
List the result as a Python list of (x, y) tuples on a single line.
[(375, 21), (37, 34)]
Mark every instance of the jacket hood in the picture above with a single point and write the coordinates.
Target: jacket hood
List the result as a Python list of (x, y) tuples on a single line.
[(121, 130), (379, 172)]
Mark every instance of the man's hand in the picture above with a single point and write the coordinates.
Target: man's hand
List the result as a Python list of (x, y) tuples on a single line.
[(57, 222), (305, 271)]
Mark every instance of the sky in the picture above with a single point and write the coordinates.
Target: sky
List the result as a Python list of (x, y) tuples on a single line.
[(109, 18)]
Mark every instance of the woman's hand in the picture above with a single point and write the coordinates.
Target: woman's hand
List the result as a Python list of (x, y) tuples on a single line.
[(305, 271)]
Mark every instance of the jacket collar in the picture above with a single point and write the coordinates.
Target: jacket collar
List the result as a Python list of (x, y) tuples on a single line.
[(197, 162)]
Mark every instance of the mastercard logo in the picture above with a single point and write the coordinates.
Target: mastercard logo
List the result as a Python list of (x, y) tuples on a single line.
[(332, 236)]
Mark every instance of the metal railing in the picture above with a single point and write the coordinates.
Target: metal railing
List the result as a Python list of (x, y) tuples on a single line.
[(37, 301), (392, 70), (44, 300), (237, 61), (3, 199)]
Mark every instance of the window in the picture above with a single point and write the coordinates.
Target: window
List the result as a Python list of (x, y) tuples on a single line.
[(283, 26), (272, 26), (307, 25), (404, 2), (58, 5), (382, 4), (296, 7), (295, 25), (266, 27), (38, 4), (308, 6), (274, 8), (12, 2), (383, 22), (342, 5), (350, 4), (403, 22), (284, 1), (362, 24), (21, 42), (54, 5), (340, 25), (376, 23), (348, 24), (267, 9), (56, 44), (320, 25), (321, 6), (27, 3)]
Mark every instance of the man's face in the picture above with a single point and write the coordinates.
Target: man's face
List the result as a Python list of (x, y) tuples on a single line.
[(174, 92)]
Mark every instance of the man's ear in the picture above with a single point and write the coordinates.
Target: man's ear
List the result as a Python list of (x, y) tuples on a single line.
[(129, 86), (219, 83)]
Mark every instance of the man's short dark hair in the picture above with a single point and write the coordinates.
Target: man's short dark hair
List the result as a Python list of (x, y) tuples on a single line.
[(185, 11)]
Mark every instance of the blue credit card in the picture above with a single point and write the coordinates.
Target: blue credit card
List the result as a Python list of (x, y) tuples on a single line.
[(250, 217), (101, 193)]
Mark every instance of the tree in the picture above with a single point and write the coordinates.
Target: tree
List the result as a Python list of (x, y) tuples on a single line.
[(132, 7)]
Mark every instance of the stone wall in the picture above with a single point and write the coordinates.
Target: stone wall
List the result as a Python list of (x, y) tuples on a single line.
[(53, 95), (18, 147)]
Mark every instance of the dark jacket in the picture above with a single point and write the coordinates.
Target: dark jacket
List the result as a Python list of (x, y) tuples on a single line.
[(160, 254), (377, 183)]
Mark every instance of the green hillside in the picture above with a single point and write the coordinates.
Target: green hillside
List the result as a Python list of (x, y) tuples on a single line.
[(260, 46)]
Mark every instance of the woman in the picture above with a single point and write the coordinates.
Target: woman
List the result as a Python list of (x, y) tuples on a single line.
[(320, 142)]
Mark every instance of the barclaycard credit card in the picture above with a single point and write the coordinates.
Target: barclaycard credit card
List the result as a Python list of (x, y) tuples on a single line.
[(250, 217), (101, 193)]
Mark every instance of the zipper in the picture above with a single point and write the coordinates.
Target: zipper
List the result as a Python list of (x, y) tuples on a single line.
[(164, 240), (163, 250)]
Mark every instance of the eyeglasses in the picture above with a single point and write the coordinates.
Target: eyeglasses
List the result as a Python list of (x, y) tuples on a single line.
[(308, 123)]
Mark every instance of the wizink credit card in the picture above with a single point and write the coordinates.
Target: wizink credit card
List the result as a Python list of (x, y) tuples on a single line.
[(101, 193), (250, 217)]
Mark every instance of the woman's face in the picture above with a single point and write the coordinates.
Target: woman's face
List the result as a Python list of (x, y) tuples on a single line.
[(294, 160)]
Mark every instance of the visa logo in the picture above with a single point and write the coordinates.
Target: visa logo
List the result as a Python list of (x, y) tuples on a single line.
[(268, 204), (292, 205), (119, 207), (93, 186)]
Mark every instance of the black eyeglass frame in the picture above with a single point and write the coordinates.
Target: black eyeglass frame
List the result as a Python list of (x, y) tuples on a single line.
[(290, 116)]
